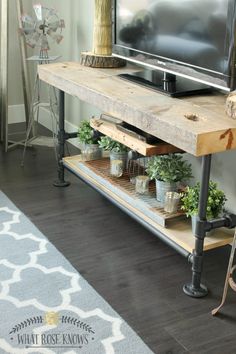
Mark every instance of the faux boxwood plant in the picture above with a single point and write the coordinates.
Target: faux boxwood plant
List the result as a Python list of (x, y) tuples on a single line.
[(215, 203), (86, 133), (169, 168), (108, 144)]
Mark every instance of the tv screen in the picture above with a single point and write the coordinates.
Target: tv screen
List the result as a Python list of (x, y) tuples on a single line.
[(190, 38)]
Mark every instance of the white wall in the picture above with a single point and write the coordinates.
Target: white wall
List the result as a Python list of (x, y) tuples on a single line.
[(14, 82), (15, 95), (223, 172)]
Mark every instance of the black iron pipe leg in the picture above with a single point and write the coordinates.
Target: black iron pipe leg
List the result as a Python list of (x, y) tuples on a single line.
[(61, 143), (195, 288)]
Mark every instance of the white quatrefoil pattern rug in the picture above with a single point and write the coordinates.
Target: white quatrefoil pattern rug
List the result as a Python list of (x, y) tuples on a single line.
[(45, 304)]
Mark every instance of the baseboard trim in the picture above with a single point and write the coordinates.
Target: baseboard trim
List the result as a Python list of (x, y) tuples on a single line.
[(16, 114), (46, 121)]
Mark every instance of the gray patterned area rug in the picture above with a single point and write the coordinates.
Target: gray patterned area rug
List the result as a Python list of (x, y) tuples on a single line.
[(45, 304)]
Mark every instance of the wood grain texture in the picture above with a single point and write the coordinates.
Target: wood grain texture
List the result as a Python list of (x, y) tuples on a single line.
[(178, 231), (145, 149), (100, 61), (231, 105), (155, 113)]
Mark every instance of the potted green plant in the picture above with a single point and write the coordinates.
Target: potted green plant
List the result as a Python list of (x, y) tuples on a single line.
[(168, 171), (117, 150), (90, 148), (215, 203)]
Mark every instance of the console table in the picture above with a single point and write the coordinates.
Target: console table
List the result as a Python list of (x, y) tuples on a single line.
[(197, 125)]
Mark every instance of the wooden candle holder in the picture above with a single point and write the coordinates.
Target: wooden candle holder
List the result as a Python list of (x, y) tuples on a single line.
[(101, 61)]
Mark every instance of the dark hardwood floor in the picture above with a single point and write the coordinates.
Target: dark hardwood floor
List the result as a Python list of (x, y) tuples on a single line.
[(137, 274)]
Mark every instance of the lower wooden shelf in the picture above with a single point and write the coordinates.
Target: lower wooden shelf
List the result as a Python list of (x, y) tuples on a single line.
[(177, 230)]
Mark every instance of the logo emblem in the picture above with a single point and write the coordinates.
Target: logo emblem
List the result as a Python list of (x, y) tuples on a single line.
[(52, 318)]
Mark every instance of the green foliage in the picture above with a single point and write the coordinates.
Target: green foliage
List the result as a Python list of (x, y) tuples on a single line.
[(106, 143), (215, 203), (85, 133), (169, 168)]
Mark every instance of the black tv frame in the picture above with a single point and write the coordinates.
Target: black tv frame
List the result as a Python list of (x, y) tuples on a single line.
[(185, 70)]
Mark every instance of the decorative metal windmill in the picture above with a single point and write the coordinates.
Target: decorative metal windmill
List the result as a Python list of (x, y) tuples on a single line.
[(46, 27), (39, 32)]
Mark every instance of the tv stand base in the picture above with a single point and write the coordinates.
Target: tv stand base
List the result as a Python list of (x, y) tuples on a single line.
[(193, 292), (167, 84), (165, 119), (61, 184)]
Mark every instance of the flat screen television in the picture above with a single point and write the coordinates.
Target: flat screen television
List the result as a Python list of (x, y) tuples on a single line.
[(187, 39)]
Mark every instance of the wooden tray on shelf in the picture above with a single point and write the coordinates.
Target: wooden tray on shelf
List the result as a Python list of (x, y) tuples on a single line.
[(147, 203), (176, 228)]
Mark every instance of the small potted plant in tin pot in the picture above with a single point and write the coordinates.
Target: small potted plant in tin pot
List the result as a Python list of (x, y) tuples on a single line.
[(90, 149), (215, 203), (117, 150), (168, 171)]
